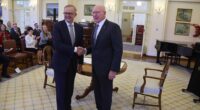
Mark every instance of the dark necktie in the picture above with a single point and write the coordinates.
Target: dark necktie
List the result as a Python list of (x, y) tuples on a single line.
[(95, 34), (71, 32)]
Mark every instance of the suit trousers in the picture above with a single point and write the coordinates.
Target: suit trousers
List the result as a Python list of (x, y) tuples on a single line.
[(64, 88), (103, 91), (5, 61)]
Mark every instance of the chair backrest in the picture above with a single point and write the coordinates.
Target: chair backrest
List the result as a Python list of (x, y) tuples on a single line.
[(10, 44), (165, 72), (47, 53), (23, 45)]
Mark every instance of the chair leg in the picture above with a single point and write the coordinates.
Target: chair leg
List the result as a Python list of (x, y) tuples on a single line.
[(159, 102), (45, 81), (53, 80), (134, 98)]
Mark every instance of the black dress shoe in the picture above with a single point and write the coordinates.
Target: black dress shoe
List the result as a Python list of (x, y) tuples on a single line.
[(6, 76)]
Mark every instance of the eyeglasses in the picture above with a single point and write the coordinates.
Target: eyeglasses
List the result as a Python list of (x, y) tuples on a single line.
[(67, 13)]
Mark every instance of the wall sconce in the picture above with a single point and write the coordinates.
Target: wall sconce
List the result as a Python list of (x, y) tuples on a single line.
[(158, 10), (33, 3)]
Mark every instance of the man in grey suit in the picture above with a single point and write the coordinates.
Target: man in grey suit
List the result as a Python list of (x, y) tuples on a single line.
[(106, 50)]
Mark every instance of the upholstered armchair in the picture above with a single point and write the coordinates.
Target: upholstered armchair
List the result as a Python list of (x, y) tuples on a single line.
[(151, 85)]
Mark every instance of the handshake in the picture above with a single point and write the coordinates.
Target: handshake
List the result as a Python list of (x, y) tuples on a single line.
[(81, 51)]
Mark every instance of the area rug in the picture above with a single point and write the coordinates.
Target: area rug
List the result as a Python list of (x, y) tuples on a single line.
[(26, 92)]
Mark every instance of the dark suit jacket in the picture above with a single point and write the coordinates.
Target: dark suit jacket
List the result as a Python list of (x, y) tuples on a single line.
[(107, 52), (15, 36), (63, 49)]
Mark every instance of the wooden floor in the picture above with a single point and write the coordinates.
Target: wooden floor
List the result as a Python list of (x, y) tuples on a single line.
[(137, 56)]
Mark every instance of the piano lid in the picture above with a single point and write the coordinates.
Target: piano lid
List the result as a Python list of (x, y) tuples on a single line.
[(187, 44)]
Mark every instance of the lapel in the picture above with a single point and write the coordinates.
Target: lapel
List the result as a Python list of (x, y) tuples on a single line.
[(102, 31), (66, 33)]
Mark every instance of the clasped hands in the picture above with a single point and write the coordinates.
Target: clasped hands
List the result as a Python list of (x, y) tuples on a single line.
[(81, 51)]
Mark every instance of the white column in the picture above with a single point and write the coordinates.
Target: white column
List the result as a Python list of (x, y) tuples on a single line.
[(7, 11), (112, 10), (39, 11), (156, 25)]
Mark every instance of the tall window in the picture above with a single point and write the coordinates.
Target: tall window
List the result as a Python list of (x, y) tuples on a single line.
[(23, 13)]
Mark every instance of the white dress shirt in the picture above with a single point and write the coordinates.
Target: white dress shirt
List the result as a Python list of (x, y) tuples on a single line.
[(30, 41), (99, 27)]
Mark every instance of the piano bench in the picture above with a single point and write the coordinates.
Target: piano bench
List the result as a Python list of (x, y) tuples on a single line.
[(173, 57)]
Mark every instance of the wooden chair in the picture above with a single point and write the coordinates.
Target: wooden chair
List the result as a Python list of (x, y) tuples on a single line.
[(47, 56), (14, 54), (30, 54), (151, 86)]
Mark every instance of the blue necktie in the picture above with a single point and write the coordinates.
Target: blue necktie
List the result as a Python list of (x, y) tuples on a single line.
[(95, 33)]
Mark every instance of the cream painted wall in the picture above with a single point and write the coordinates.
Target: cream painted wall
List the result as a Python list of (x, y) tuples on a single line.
[(156, 26), (171, 21), (185, 0)]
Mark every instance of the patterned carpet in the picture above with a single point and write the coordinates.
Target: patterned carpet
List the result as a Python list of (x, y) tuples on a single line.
[(25, 92)]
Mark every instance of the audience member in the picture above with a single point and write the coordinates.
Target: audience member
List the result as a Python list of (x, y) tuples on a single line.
[(25, 31), (45, 37), (15, 33), (1, 22), (30, 42), (36, 30), (9, 26), (4, 34)]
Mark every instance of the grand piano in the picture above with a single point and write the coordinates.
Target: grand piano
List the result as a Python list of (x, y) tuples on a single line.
[(187, 51), (178, 48)]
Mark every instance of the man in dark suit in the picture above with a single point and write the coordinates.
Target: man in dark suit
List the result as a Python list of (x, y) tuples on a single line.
[(106, 52), (15, 33), (67, 36)]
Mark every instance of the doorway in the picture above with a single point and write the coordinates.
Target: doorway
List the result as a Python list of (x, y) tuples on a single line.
[(134, 17), (126, 27)]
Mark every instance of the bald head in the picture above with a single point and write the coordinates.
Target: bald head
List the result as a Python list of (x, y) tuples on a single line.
[(99, 7), (99, 13)]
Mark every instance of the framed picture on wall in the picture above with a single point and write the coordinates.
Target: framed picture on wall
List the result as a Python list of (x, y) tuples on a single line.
[(50, 7), (88, 9), (184, 15), (182, 29)]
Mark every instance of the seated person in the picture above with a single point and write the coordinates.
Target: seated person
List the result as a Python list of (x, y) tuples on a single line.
[(5, 61), (45, 37), (36, 30), (25, 31), (9, 26), (30, 42), (15, 33), (4, 34)]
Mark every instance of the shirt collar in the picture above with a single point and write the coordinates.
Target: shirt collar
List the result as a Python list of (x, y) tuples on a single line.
[(101, 22), (69, 23)]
